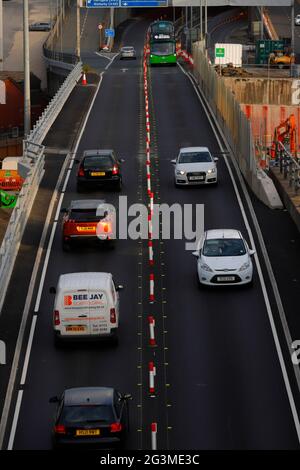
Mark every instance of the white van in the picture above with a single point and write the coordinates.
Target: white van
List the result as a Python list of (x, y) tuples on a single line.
[(86, 306)]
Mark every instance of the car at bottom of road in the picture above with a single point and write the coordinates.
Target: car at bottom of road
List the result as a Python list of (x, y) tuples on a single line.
[(88, 220), (40, 26), (297, 20), (195, 165), (99, 168), (86, 307), (224, 258), (127, 52), (90, 416)]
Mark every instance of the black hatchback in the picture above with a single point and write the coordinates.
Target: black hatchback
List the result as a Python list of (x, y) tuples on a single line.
[(99, 167), (90, 416)]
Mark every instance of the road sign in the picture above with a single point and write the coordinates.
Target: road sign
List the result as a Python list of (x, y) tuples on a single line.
[(109, 33), (144, 3), (125, 3), (220, 51), (102, 3)]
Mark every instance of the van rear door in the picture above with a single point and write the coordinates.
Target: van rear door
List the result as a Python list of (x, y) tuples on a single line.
[(99, 312), (75, 313)]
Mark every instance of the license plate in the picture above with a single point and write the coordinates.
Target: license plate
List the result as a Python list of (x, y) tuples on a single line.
[(225, 279), (85, 229), (196, 178), (98, 173), (75, 328), (87, 432)]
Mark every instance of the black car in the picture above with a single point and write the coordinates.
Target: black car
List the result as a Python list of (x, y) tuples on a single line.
[(99, 167), (40, 26), (90, 416)]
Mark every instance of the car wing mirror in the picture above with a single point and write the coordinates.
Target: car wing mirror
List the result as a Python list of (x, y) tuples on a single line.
[(119, 287), (173, 161), (252, 252), (216, 159), (52, 290), (196, 254), (76, 160), (121, 160), (53, 399)]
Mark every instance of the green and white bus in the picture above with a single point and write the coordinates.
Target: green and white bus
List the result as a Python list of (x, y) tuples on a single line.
[(162, 43)]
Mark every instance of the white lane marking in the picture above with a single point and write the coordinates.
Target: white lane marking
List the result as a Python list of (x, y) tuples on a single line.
[(28, 350), (15, 421), (105, 56), (108, 65), (259, 270), (8, 397)]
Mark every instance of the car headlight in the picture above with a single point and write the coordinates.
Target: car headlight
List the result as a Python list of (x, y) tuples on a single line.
[(205, 267), (212, 170), (180, 172), (245, 266)]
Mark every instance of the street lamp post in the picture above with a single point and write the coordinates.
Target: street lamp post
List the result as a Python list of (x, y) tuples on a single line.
[(27, 104), (78, 29)]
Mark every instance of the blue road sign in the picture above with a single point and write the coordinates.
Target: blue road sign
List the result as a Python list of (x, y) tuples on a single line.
[(125, 3), (144, 3), (109, 33), (102, 3)]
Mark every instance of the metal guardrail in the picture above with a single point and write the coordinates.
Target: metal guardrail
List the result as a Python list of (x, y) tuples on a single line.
[(32, 163), (289, 167), (51, 112)]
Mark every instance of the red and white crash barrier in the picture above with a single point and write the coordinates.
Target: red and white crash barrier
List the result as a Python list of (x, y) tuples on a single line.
[(151, 320), (150, 247), (151, 297), (152, 374), (153, 436)]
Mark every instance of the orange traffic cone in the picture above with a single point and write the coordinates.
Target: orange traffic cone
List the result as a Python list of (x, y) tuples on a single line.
[(84, 79)]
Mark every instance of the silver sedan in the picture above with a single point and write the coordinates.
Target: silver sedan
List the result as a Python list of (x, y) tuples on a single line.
[(127, 52)]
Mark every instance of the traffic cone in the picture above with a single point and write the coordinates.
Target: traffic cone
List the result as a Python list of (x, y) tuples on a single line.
[(84, 79)]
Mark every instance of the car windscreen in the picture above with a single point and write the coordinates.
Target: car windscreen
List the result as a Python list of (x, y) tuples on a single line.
[(103, 162), (163, 48), (72, 415), (224, 247), (195, 157), (86, 215)]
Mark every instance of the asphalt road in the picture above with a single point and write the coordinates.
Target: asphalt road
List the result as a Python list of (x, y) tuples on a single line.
[(219, 383)]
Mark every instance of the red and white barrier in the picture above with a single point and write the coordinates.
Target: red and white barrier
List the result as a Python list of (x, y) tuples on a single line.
[(151, 297), (151, 320), (150, 247), (152, 374), (153, 436)]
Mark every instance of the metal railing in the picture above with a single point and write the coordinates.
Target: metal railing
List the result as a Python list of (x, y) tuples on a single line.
[(289, 167), (33, 163)]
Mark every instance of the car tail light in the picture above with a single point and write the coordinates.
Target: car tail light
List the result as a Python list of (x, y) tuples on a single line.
[(56, 318), (60, 429), (105, 227), (116, 427), (81, 171), (115, 170), (113, 317)]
